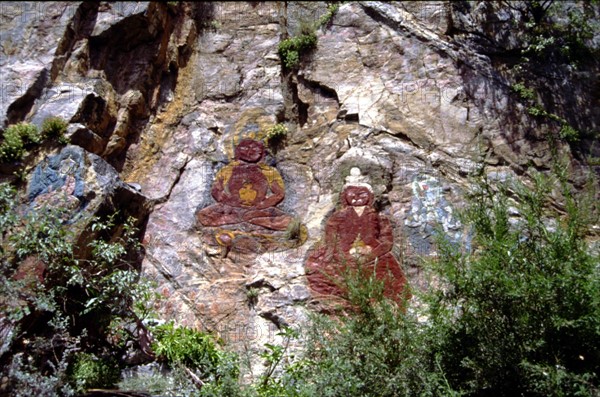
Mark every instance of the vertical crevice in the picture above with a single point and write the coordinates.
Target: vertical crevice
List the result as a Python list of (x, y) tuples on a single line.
[(80, 27)]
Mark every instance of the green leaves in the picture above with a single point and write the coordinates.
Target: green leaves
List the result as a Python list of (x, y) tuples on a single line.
[(75, 291), (90, 372), (54, 127), (189, 348), (18, 137), (276, 133), (526, 298), (13, 144), (291, 49)]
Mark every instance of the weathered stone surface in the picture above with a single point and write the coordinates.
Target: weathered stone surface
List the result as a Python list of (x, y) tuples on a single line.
[(29, 35), (91, 104), (83, 186)]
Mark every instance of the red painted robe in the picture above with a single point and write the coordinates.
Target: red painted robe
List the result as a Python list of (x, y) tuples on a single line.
[(346, 232)]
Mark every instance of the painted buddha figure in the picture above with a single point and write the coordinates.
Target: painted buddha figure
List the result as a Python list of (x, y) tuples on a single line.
[(356, 234), (247, 191)]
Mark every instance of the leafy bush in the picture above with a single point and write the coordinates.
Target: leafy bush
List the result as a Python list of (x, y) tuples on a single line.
[(517, 315), (16, 137), (182, 345), (555, 30), (292, 48), (28, 380), (90, 372), (375, 348), (8, 218), (252, 295), (326, 18), (520, 314), (28, 132), (198, 366), (12, 147), (276, 133), (75, 300), (523, 92), (54, 127), (568, 133)]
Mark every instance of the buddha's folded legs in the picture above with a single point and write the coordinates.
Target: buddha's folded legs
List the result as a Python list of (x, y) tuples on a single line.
[(270, 218), (219, 215)]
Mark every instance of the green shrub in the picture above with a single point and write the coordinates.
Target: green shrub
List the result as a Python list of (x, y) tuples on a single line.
[(252, 294), (519, 315), (91, 372), (276, 133), (182, 345), (8, 217), (15, 138), (291, 49), (326, 18), (54, 127), (568, 133), (197, 363), (28, 132), (12, 147), (537, 111), (76, 294), (524, 93), (557, 31)]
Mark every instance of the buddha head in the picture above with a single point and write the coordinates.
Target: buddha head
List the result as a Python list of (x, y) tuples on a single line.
[(357, 196), (357, 191), (249, 151)]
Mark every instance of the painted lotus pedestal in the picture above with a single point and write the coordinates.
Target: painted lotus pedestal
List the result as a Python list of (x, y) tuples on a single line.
[(357, 240), (245, 217)]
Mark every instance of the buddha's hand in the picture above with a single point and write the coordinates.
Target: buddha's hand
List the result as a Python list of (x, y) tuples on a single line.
[(261, 205), (221, 196), (364, 253)]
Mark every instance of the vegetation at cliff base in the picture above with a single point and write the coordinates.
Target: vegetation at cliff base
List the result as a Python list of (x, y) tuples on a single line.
[(66, 320), (518, 313)]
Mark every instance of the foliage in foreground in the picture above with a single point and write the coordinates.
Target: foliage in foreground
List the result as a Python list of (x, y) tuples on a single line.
[(521, 314), (518, 314), (64, 317)]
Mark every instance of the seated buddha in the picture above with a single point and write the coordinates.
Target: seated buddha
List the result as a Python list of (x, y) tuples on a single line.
[(356, 235), (247, 192)]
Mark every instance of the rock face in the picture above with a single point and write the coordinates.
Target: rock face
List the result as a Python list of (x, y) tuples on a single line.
[(82, 185), (415, 95)]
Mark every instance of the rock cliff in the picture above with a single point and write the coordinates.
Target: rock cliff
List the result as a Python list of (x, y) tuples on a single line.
[(417, 95)]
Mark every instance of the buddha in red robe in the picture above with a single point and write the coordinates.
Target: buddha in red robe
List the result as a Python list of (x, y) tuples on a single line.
[(247, 191), (356, 236)]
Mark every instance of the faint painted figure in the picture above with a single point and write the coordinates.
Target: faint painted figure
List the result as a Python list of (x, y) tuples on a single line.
[(356, 235)]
